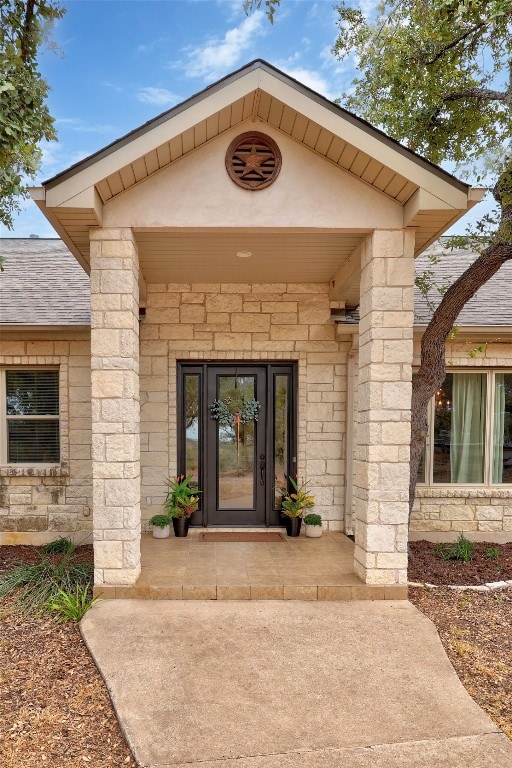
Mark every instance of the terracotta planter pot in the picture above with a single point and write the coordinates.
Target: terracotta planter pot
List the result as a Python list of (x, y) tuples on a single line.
[(293, 525), (180, 525)]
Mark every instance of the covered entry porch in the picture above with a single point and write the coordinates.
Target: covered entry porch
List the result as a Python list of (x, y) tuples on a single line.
[(234, 229), (291, 569)]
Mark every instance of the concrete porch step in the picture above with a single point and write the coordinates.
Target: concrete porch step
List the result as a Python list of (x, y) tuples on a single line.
[(293, 569)]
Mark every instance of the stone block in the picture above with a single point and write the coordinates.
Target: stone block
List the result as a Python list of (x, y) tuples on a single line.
[(232, 341), (488, 513), (250, 322), (62, 522), (456, 512), (193, 313), (224, 303), (108, 554)]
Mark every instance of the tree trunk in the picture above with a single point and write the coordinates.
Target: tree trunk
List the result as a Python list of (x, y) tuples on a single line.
[(431, 373)]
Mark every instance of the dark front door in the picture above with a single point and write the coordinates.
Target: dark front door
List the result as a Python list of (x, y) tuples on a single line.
[(237, 439)]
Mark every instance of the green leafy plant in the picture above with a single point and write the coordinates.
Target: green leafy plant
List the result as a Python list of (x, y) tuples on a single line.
[(462, 549), (160, 521), (492, 553), (313, 519), (33, 586), (58, 546), (182, 497), (294, 504), (72, 606)]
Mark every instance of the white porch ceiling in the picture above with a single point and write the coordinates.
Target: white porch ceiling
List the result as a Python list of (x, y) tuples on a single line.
[(209, 256)]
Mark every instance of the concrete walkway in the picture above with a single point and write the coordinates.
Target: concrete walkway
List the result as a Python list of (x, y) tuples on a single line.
[(287, 685)]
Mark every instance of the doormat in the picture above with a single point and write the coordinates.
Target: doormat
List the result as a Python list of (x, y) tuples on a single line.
[(249, 536)]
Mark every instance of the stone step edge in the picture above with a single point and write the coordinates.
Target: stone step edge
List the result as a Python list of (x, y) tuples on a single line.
[(490, 586)]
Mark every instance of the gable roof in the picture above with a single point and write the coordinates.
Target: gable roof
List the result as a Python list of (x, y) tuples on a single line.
[(42, 285), (431, 198)]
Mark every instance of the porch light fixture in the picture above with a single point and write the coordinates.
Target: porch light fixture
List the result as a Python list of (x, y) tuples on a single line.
[(244, 254)]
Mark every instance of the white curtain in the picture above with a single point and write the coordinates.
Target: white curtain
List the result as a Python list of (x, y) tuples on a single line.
[(499, 428), (468, 428)]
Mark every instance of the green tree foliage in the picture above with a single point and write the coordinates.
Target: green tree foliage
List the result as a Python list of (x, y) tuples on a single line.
[(24, 117), (437, 76)]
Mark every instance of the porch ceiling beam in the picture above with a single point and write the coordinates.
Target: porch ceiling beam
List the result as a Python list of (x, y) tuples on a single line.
[(346, 277)]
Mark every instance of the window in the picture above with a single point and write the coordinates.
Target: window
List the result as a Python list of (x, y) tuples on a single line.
[(470, 431), (30, 404)]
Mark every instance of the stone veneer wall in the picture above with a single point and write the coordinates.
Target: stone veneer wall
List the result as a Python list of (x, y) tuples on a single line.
[(246, 322), (470, 509), (41, 504)]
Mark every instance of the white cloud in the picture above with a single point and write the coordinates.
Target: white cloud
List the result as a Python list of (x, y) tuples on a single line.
[(311, 78), (218, 56), (160, 96), (80, 126)]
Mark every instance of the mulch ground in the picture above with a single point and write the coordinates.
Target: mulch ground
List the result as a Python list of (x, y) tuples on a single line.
[(55, 710), (425, 565)]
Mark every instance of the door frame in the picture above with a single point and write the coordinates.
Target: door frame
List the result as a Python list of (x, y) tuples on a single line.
[(272, 368)]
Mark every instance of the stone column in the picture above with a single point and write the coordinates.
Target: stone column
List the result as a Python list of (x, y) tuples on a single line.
[(384, 396), (115, 406)]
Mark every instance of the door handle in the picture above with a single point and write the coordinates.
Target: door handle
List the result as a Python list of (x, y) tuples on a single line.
[(262, 469)]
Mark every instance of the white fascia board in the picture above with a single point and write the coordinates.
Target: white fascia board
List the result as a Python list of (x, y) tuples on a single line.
[(140, 145), (62, 233), (365, 141), (87, 199)]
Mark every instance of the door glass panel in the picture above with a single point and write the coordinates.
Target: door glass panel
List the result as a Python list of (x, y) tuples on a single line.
[(281, 396), (192, 425), (236, 444)]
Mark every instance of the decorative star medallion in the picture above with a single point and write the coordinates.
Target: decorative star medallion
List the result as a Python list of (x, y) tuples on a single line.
[(253, 161)]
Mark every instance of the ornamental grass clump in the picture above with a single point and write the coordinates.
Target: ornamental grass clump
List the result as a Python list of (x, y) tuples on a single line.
[(72, 606), (294, 504), (462, 550), (32, 587)]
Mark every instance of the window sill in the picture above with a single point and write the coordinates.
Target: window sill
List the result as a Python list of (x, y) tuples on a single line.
[(34, 470), (464, 492)]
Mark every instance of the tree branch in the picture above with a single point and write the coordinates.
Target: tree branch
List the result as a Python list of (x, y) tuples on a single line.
[(455, 42), (25, 43), (479, 94)]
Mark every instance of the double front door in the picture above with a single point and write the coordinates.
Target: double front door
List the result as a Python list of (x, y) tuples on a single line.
[(237, 438)]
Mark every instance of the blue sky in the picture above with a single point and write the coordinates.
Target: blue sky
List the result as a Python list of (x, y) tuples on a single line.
[(123, 62)]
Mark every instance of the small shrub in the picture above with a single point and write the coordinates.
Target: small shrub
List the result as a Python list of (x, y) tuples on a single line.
[(492, 553), (160, 521), (462, 549), (58, 546), (72, 606), (312, 519)]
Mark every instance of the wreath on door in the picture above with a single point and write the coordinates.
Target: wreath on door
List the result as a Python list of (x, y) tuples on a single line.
[(230, 413)]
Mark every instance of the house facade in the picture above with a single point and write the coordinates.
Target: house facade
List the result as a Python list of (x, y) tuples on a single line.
[(228, 245)]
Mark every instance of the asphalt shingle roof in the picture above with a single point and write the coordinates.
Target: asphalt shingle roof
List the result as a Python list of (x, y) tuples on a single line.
[(491, 305), (42, 284)]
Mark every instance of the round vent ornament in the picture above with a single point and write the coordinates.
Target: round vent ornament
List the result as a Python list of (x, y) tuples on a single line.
[(253, 161)]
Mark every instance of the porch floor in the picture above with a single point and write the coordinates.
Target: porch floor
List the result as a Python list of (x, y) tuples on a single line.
[(295, 569)]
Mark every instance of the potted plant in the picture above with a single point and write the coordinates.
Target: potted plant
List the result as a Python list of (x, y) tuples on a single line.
[(160, 525), (313, 525), (294, 504), (181, 502)]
